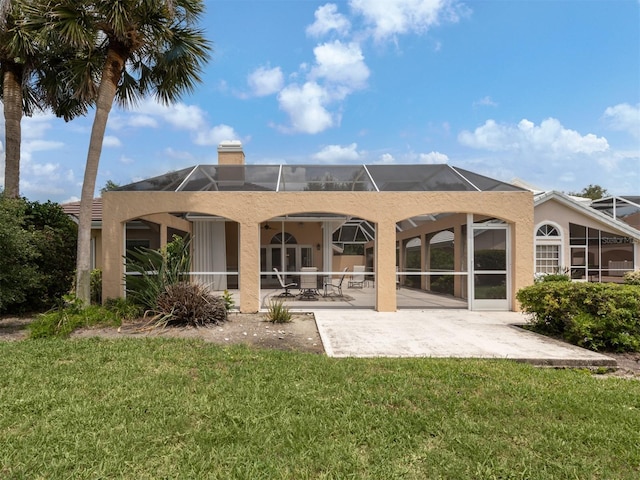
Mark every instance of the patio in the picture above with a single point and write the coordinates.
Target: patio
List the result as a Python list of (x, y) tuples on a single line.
[(356, 298)]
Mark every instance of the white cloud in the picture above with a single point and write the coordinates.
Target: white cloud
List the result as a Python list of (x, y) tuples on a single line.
[(216, 135), (338, 153), (433, 158), (624, 117), (143, 121), (125, 160), (265, 81), (179, 115), (36, 126), (110, 141), (328, 19), (39, 146), (341, 69), (549, 138), (486, 101), (389, 18), (341, 64), (386, 158), (306, 108)]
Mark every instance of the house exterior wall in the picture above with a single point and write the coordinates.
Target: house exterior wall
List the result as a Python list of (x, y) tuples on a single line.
[(555, 212), (251, 209)]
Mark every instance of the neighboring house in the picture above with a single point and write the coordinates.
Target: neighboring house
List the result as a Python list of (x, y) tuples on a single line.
[(246, 220), (572, 236)]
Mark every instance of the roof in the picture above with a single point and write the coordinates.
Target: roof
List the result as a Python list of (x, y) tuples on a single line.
[(300, 178), (585, 209), (73, 209)]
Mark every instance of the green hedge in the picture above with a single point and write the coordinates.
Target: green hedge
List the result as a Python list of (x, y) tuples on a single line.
[(597, 316)]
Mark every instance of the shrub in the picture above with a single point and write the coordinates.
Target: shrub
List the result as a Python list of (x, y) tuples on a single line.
[(598, 316), (124, 308), (229, 303), (151, 271), (188, 304), (69, 316), (96, 286), (38, 245), (18, 271), (555, 277), (278, 312), (54, 236), (632, 278)]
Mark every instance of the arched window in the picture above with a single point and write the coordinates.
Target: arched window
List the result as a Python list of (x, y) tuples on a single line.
[(548, 249), (547, 230), (288, 239)]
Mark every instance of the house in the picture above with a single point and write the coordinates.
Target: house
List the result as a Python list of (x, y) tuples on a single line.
[(246, 220), (436, 229), (578, 237)]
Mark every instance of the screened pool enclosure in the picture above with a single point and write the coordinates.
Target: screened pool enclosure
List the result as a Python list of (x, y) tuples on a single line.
[(432, 229)]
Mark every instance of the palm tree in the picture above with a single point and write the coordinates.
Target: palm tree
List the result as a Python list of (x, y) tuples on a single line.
[(32, 77), (16, 59), (146, 47)]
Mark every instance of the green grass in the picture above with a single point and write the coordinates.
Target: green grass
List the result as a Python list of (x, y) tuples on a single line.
[(150, 409)]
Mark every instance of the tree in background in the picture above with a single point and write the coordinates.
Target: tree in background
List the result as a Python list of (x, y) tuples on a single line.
[(16, 65), (54, 235), (38, 245), (146, 47), (18, 271), (109, 186), (594, 192), (33, 77)]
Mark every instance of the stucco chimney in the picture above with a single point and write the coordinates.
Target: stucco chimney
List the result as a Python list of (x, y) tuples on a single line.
[(230, 153)]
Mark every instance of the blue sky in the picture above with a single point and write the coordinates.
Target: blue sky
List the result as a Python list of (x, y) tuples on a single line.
[(544, 91)]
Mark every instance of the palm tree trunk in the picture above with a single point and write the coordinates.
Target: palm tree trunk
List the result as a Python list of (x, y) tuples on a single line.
[(111, 74), (12, 94)]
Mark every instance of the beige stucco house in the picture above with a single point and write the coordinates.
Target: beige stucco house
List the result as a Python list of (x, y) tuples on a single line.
[(246, 220), (436, 229)]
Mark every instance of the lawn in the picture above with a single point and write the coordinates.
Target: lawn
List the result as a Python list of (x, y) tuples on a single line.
[(154, 408)]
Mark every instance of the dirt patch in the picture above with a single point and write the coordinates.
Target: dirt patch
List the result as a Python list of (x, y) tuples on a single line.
[(300, 334), (251, 329)]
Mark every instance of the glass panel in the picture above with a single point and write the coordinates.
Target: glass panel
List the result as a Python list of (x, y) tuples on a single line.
[(306, 254), (577, 234), (276, 258), (547, 258), (333, 178), (442, 283), (490, 286), (168, 182), (291, 260), (233, 178), (490, 252), (418, 178), (486, 184)]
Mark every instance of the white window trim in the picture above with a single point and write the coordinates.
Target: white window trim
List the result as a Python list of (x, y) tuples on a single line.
[(559, 241)]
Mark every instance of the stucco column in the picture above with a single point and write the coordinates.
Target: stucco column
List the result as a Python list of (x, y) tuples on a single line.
[(458, 241), (425, 262), (112, 257), (386, 267), (522, 246), (249, 267)]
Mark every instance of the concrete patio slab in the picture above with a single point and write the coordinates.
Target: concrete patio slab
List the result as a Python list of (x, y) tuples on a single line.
[(445, 333)]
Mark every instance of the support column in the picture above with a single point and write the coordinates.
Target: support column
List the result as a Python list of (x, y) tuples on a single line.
[(249, 267), (386, 300), (113, 236), (458, 280), (425, 261)]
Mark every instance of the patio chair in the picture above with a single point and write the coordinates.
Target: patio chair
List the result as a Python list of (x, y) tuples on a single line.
[(285, 286), (335, 286), (357, 278)]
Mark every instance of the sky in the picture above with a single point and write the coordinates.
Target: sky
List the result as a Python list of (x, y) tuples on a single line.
[(544, 91)]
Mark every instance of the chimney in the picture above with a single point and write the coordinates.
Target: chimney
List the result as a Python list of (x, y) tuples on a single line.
[(230, 153)]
